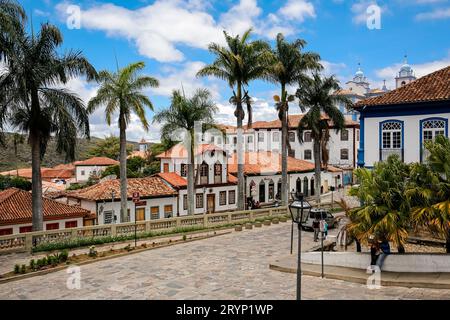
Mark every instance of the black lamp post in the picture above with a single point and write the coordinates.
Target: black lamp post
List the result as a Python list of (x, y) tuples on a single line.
[(296, 208)]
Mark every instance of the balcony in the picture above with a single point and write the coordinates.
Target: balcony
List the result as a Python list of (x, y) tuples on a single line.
[(385, 153)]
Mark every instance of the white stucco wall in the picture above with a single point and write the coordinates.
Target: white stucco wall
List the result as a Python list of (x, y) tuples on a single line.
[(216, 191), (411, 136), (87, 170), (62, 224)]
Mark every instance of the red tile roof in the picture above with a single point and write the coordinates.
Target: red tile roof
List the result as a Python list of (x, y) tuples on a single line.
[(15, 208), (150, 187), (177, 181), (179, 151), (257, 163), (97, 161), (432, 87), (46, 173)]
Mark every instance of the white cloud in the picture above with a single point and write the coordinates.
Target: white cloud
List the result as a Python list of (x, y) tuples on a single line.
[(436, 14), (298, 10)]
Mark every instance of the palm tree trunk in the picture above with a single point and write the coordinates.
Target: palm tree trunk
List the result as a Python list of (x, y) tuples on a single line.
[(190, 177), (240, 148), (123, 170), (284, 137), (36, 187), (358, 245), (447, 242), (401, 249), (317, 170)]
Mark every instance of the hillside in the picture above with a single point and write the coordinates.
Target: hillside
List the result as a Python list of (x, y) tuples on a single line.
[(8, 159)]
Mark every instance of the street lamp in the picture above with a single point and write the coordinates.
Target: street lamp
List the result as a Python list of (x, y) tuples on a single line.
[(296, 208)]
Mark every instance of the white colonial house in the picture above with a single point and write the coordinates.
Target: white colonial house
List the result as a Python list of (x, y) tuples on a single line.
[(92, 167), (265, 136), (16, 213), (157, 200), (215, 188), (401, 121)]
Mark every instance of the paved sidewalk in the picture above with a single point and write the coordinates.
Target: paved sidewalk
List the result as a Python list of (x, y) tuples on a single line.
[(234, 266)]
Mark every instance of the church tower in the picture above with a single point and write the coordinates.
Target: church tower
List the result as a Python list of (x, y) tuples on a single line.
[(405, 75)]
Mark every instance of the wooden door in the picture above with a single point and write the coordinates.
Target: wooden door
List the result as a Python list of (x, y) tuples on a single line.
[(140, 214), (166, 167), (211, 203)]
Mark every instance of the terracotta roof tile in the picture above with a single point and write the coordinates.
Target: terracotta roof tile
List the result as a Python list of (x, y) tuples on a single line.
[(15, 207), (177, 181), (46, 173), (97, 161), (179, 151), (432, 87), (149, 187)]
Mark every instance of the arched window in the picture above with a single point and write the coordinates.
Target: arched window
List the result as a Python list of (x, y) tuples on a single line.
[(391, 139), (217, 172), (305, 186), (429, 130), (312, 186), (262, 191), (298, 185), (204, 170), (278, 196), (271, 190), (183, 170)]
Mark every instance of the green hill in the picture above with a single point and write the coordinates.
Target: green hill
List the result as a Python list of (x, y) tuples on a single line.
[(9, 161)]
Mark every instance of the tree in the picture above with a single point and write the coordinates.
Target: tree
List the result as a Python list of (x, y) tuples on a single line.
[(288, 66), (17, 139), (238, 63), (109, 147), (183, 114), (121, 92), (385, 211), (14, 182), (35, 102), (317, 96), (429, 190)]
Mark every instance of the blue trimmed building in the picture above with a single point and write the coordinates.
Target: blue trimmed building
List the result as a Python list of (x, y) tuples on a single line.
[(400, 121)]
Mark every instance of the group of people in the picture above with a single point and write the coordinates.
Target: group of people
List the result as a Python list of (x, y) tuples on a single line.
[(316, 227), (378, 252)]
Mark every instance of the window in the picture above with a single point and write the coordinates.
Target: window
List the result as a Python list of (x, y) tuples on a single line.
[(291, 153), (52, 226), (431, 128), (250, 139), (168, 211), (6, 232), (344, 135), (25, 229), (231, 197), (344, 154), (308, 154), (276, 136), (107, 217), (235, 140), (271, 190), (154, 213), (260, 136), (204, 168), (218, 173), (391, 139), (199, 200), (291, 136), (223, 198), (307, 137), (166, 167), (183, 170), (185, 202), (83, 173), (71, 224)]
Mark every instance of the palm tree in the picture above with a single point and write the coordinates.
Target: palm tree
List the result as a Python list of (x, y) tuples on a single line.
[(184, 113), (385, 213), (17, 139), (34, 101), (238, 63), (429, 190), (121, 92), (317, 96), (288, 66)]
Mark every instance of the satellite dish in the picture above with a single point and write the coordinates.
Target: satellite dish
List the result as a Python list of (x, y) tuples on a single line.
[(107, 178)]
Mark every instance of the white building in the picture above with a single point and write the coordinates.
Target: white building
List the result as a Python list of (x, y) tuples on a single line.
[(16, 213), (400, 121), (157, 200), (92, 167)]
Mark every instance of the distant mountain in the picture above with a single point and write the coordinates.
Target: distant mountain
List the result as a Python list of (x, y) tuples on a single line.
[(9, 161)]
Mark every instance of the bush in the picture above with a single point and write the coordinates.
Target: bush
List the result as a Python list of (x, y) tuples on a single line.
[(16, 268), (23, 269), (32, 264), (184, 237)]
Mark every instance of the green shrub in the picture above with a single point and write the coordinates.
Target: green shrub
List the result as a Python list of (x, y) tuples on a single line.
[(16, 268), (184, 237), (23, 269), (32, 264), (64, 255)]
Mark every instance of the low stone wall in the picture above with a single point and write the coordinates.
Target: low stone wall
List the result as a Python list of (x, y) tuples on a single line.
[(408, 262)]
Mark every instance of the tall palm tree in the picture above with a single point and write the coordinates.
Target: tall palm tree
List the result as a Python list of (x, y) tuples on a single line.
[(317, 96), (183, 114), (288, 66), (121, 92), (429, 190), (34, 101), (238, 63)]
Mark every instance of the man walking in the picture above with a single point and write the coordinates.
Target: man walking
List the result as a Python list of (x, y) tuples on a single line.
[(316, 227)]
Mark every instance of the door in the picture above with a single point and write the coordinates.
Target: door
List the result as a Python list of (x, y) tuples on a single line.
[(211, 203), (166, 167), (140, 214), (262, 192)]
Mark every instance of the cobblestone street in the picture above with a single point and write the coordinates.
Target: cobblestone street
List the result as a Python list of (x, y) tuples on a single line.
[(232, 266)]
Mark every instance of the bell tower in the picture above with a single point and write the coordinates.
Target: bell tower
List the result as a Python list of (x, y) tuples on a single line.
[(405, 75)]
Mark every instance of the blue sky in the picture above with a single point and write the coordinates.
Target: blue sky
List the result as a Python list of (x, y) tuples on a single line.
[(171, 37)]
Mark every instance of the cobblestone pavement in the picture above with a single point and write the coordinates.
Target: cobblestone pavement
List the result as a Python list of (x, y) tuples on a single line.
[(232, 266)]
